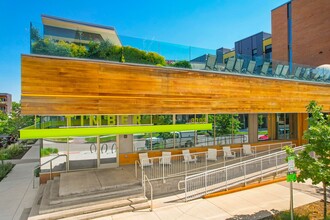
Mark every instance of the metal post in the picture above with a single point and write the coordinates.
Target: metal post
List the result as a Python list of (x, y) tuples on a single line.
[(244, 174), (51, 167), (226, 178), (291, 200)]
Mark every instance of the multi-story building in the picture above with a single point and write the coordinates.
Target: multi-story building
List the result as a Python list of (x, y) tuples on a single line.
[(301, 33), (77, 31), (5, 103), (257, 45)]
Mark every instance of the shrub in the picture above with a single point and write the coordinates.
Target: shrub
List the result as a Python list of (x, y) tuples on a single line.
[(11, 151), (182, 64), (5, 169), (287, 216), (47, 151)]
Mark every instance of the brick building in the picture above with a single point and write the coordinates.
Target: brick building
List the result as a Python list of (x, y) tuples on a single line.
[(301, 33), (5, 103)]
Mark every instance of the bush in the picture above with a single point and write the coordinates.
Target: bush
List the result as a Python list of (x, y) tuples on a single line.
[(287, 216), (47, 151), (5, 169), (182, 64), (11, 151)]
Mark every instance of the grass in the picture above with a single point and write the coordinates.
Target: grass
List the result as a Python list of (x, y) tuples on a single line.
[(58, 140), (12, 151), (312, 210), (5, 169), (102, 139), (47, 151)]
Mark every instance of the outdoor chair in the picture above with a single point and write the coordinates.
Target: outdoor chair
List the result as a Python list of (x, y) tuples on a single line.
[(247, 150), (238, 65), (297, 73), (230, 64), (187, 157), (251, 67), (326, 77), (145, 160), (278, 70), (306, 75), (166, 158), (264, 69), (285, 70), (211, 154), (228, 153), (210, 62), (316, 75)]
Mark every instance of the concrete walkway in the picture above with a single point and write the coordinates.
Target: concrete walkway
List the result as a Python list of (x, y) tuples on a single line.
[(256, 203), (16, 192)]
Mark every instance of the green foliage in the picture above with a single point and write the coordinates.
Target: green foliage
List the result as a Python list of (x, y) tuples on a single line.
[(48, 46), (11, 124), (287, 216), (260, 120), (182, 64), (5, 169), (94, 50), (225, 124), (102, 139), (34, 34), (11, 151), (47, 151), (318, 136)]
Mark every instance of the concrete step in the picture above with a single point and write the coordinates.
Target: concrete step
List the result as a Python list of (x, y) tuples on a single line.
[(37, 201), (119, 191), (97, 210)]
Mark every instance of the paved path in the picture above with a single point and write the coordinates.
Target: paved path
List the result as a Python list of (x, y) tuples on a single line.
[(16, 193), (250, 204)]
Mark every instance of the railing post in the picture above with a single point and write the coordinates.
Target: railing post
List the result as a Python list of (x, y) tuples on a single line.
[(205, 179), (226, 178), (163, 172), (261, 168), (205, 156), (185, 189), (51, 169), (276, 163), (33, 179), (244, 173)]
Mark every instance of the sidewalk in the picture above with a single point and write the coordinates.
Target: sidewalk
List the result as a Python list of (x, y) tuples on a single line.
[(250, 204), (16, 190)]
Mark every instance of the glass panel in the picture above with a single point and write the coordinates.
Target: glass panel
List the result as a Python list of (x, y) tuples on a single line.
[(241, 129), (263, 127), (142, 141), (282, 126), (51, 148), (82, 153), (223, 129), (108, 149), (161, 140)]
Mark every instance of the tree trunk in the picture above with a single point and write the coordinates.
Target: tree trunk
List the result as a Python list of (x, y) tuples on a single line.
[(325, 200)]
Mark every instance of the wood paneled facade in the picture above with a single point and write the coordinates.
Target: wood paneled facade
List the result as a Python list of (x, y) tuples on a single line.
[(64, 86)]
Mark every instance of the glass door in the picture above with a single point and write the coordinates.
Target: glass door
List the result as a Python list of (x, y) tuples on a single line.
[(108, 151)]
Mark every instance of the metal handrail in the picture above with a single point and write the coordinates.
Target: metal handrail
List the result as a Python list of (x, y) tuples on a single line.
[(51, 167), (206, 166), (151, 191), (242, 165)]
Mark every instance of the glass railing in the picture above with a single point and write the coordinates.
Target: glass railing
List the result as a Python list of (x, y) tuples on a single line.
[(82, 44)]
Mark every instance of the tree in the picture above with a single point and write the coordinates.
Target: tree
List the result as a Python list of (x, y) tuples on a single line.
[(225, 124), (316, 168), (260, 120), (12, 123), (182, 64)]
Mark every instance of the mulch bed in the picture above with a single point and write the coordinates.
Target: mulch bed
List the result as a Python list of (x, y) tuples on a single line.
[(313, 210)]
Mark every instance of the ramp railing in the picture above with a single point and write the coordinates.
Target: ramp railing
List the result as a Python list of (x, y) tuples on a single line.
[(176, 165), (198, 185)]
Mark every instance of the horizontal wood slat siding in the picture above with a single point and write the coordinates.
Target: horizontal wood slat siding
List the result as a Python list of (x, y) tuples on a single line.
[(60, 86)]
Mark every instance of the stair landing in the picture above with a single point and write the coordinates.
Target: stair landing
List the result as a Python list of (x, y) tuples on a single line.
[(95, 180)]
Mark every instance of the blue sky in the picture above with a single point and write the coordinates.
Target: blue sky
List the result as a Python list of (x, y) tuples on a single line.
[(207, 24)]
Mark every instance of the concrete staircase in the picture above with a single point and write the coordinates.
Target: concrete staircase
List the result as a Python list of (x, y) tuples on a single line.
[(49, 204)]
